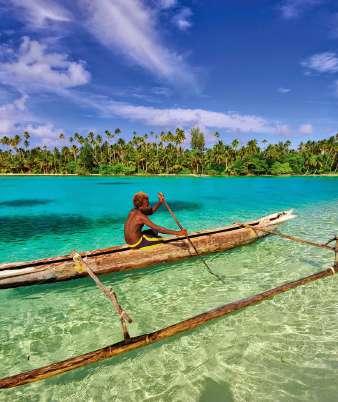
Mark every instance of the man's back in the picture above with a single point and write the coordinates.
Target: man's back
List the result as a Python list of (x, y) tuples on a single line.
[(133, 226)]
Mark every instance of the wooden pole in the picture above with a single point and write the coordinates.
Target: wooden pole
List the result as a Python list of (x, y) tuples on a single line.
[(124, 318), (288, 237), (190, 242), (147, 339)]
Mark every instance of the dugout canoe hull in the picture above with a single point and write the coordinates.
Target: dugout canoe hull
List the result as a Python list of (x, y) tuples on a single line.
[(123, 258)]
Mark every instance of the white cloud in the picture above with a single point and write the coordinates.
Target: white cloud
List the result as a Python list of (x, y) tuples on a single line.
[(326, 62), (281, 129), (32, 66), (10, 115), (165, 4), (129, 27), (306, 129), (170, 118), (291, 9), (39, 13), (182, 19), (46, 134), (15, 118), (180, 117), (282, 90)]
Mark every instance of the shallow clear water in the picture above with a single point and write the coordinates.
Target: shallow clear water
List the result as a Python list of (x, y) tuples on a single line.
[(283, 349)]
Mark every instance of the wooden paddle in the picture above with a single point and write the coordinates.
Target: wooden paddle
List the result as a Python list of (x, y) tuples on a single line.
[(189, 240)]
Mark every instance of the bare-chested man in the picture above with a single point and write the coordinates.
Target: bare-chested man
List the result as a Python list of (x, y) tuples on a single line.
[(137, 218)]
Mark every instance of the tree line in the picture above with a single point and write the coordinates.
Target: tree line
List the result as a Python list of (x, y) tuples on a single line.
[(164, 153)]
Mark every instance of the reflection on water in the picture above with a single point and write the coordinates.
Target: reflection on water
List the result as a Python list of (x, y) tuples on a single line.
[(24, 203), (22, 227), (184, 205)]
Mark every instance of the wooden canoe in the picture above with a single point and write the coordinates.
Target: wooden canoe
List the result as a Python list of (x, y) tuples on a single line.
[(123, 258)]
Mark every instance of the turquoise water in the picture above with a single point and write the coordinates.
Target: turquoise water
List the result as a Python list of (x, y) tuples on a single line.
[(281, 350)]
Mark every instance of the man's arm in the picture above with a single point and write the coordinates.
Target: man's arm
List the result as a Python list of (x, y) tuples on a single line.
[(159, 203), (161, 229)]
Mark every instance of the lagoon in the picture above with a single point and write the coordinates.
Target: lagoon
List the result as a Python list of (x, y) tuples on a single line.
[(283, 349)]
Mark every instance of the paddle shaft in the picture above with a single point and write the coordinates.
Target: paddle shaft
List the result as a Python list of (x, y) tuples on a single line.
[(189, 240)]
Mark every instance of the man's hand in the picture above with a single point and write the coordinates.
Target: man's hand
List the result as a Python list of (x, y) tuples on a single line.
[(160, 197), (182, 232)]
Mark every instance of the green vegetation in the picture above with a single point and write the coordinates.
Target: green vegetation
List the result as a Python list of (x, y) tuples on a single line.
[(164, 154)]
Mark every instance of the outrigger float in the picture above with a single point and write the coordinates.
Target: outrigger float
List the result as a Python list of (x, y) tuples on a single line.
[(244, 234)]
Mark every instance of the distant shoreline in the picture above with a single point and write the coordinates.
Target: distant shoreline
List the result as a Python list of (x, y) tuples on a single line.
[(161, 175)]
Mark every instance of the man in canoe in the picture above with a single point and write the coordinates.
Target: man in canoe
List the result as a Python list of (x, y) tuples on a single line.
[(138, 217)]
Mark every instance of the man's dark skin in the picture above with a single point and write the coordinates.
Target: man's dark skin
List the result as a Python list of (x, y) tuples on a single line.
[(137, 218)]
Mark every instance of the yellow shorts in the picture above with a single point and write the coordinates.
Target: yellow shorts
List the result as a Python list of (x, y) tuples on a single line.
[(146, 241)]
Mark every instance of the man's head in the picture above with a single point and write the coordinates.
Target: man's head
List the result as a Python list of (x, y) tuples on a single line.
[(141, 201)]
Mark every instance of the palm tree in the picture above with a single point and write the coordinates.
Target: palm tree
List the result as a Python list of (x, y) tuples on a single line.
[(235, 145), (26, 137), (179, 138), (15, 142), (79, 138), (197, 145)]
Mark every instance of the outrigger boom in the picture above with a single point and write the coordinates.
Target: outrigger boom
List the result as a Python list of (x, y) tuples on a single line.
[(157, 336)]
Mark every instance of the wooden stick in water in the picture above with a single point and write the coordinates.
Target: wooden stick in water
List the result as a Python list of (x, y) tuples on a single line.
[(288, 237), (190, 242), (124, 318), (156, 336)]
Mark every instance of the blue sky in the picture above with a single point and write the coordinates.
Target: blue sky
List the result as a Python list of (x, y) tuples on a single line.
[(247, 69)]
